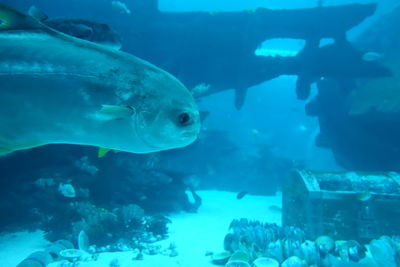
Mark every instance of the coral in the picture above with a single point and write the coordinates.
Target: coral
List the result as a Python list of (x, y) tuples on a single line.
[(131, 215), (157, 225), (84, 164)]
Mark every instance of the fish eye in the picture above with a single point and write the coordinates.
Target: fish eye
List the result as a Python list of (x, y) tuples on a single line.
[(184, 119)]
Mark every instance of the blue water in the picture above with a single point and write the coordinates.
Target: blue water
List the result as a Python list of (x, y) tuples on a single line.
[(250, 150)]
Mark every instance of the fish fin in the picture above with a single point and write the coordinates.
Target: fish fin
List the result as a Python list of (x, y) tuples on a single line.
[(5, 151), (7, 148), (37, 13), (102, 152), (114, 112), (12, 19)]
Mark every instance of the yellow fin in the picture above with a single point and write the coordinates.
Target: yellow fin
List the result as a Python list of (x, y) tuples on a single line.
[(113, 112), (12, 19), (102, 152)]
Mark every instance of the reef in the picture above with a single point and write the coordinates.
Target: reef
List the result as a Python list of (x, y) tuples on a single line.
[(74, 190)]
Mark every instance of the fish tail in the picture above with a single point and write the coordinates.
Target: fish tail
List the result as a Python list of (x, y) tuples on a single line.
[(12, 19)]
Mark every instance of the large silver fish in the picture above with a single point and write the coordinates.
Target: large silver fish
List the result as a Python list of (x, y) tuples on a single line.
[(55, 88)]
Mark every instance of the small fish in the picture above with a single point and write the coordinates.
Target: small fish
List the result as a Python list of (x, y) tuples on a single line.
[(121, 7), (275, 208), (364, 196), (67, 190), (372, 56), (80, 28), (255, 132), (241, 194), (60, 89)]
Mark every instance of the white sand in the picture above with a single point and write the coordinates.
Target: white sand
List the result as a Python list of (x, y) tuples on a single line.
[(193, 233)]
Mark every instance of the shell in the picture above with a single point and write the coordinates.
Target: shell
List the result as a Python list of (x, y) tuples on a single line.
[(71, 253), (240, 256), (265, 262), (237, 263), (294, 261), (221, 258), (382, 252), (325, 244), (309, 252), (275, 251)]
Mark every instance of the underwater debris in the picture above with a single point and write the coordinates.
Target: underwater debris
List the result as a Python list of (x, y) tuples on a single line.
[(339, 201), (214, 35), (289, 248)]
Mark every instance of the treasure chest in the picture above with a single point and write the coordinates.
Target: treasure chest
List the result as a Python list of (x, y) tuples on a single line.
[(343, 205)]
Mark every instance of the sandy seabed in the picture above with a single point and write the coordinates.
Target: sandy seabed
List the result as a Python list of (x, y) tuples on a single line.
[(194, 234)]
